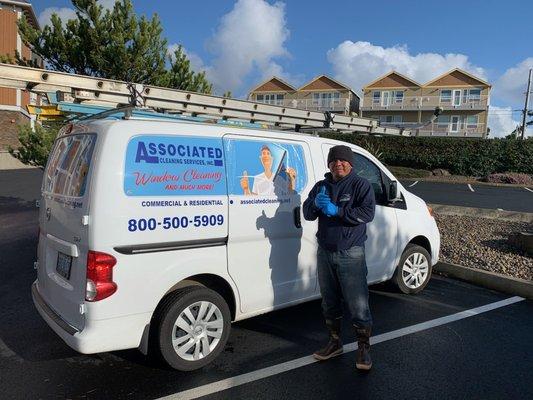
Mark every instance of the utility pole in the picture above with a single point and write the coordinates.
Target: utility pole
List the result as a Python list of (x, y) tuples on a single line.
[(526, 105)]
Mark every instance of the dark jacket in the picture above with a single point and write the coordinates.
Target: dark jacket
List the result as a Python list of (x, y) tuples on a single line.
[(355, 198)]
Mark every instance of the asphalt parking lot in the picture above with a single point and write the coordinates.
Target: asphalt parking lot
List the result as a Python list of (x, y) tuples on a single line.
[(452, 341), (508, 198)]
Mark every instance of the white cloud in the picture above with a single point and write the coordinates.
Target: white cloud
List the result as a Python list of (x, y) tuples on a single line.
[(359, 63), (501, 121), (65, 13), (511, 86), (249, 39), (107, 4)]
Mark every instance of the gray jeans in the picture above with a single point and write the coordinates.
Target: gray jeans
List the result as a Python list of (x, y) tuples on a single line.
[(342, 277)]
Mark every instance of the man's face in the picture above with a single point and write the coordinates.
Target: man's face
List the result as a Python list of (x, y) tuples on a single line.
[(266, 159), (339, 169)]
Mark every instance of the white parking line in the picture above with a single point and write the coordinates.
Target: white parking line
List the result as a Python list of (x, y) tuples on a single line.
[(528, 189), (239, 380), (470, 187), (411, 185)]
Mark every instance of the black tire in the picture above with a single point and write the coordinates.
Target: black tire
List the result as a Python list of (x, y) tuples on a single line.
[(176, 304), (411, 252)]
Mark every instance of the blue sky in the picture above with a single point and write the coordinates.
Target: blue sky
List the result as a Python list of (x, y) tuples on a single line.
[(241, 43)]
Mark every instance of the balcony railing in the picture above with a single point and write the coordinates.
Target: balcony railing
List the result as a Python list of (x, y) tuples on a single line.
[(335, 105), (462, 102), (462, 129)]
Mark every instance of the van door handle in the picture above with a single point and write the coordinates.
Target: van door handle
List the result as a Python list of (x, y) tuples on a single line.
[(297, 218)]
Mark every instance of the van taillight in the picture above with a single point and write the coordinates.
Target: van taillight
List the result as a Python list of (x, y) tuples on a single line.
[(100, 276)]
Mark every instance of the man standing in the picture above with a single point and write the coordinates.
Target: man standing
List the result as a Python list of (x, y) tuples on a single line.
[(343, 203)]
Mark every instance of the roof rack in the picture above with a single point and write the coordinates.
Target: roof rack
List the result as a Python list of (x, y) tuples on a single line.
[(92, 90)]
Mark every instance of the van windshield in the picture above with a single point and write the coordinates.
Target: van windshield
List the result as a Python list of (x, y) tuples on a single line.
[(68, 166)]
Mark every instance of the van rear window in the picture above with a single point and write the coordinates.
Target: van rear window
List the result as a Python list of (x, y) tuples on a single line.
[(68, 166)]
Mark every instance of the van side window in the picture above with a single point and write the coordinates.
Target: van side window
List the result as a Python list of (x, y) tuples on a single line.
[(367, 169), (68, 167)]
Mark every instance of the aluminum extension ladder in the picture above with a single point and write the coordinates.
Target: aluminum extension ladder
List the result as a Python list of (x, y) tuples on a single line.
[(93, 90)]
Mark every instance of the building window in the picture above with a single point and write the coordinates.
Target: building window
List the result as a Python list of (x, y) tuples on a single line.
[(386, 99), (274, 99), (471, 121), (475, 94), (445, 96), (390, 119), (398, 97), (443, 121), (327, 99), (376, 97)]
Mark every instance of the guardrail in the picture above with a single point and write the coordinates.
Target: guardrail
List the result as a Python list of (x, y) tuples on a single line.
[(441, 129), (334, 105), (427, 102)]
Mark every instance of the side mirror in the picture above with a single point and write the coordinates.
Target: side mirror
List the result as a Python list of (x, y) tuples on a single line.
[(393, 191)]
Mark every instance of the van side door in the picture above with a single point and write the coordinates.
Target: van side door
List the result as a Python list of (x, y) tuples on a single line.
[(271, 252)]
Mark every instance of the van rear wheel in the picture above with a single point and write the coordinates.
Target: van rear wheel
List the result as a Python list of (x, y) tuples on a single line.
[(194, 326), (414, 270)]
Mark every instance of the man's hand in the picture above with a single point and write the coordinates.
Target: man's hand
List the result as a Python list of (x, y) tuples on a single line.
[(330, 209), (321, 198), (325, 204), (245, 185), (291, 173)]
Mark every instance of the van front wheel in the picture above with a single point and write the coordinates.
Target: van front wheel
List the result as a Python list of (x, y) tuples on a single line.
[(414, 270), (194, 326)]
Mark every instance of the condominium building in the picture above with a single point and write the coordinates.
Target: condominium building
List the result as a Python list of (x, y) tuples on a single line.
[(320, 94), (397, 100), (13, 102)]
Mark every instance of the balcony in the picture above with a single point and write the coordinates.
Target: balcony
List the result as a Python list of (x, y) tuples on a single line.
[(415, 103), (460, 129), (333, 105)]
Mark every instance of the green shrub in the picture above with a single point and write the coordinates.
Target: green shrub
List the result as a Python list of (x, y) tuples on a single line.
[(460, 156), (35, 145)]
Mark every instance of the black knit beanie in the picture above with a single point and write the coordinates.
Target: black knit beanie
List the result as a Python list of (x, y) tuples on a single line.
[(340, 153)]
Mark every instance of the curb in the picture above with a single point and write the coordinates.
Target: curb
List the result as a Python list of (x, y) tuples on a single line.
[(468, 181), (513, 216), (489, 280)]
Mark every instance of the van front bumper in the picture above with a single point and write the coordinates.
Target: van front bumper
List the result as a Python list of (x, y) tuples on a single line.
[(98, 335)]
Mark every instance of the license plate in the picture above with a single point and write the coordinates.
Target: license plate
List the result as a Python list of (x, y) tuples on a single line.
[(64, 262)]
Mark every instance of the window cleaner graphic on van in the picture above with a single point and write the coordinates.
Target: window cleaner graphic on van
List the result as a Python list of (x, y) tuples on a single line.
[(276, 174), (266, 183)]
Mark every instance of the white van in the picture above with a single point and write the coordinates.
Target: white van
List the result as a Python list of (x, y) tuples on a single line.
[(165, 232)]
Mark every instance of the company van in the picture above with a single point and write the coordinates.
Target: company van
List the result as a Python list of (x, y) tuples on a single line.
[(157, 234)]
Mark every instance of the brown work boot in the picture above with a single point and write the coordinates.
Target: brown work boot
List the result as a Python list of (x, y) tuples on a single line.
[(363, 360), (334, 346)]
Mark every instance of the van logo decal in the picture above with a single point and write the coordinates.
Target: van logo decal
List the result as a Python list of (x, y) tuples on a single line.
[(174, 153), (173, 165)]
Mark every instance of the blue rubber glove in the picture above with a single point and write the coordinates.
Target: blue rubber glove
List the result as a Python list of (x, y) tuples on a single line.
[(330, 209), (321, 198), (325, 204)]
